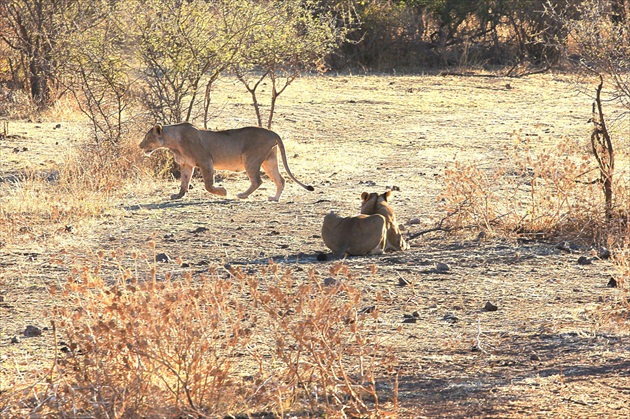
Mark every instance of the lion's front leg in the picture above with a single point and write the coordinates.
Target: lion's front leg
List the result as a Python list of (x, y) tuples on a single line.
[(187, 172)]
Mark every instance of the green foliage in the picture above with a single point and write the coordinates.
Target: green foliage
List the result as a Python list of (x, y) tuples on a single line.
[(454, 32)]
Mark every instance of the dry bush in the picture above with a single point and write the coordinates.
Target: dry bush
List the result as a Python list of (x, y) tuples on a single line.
[(148, 348), (325, 356), (145, 343), (537, 193)]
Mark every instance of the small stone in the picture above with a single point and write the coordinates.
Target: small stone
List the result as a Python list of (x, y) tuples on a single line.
[(32, 331), (534, 357), (403, 282), (321, 257), (490, 307), (612, 283), (15, 339), (57, 126), (450, 318), (442, 267), (185, 265), (162, 257), (413, 221), (410, 319), (330, 281), (583, 260), (603, 253), (568, 247), (199, 230), (415, 314)]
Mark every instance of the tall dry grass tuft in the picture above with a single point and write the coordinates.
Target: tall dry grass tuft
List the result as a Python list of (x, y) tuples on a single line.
[(537, 193), (82, 185), (552, 194), (142, 342)]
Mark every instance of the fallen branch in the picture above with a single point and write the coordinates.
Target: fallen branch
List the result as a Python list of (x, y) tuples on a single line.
[(439, 226)]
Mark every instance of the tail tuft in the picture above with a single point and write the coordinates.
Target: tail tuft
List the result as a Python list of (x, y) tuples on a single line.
[(310, 188)]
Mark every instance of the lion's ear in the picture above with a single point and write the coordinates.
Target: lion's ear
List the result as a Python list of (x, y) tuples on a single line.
[(387, 195), (365, 196), (158, 129)]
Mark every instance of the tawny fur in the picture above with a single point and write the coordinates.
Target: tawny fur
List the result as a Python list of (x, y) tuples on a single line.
[(373, 203), (357, 235), (245, 149)]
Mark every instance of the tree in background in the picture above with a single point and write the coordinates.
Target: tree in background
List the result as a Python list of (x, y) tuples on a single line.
[(32, 30), (600, 42), (282, 40), (182, 47), (97, 71)]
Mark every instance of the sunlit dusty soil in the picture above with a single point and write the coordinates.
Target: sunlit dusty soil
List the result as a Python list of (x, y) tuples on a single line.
[(545, 352)]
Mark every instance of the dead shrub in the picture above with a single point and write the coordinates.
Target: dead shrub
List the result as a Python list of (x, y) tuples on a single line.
[(135, 343), (147, 348), (551, 192), (81, 186)]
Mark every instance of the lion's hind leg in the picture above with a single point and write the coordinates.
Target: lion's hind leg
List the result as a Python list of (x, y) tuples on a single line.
[(208, 180), (270, 166), (252, 169)]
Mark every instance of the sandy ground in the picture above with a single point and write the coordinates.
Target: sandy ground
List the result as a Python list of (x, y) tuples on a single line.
[(546, 351)]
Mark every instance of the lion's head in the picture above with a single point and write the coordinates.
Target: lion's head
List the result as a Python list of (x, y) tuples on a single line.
[(373, 203), (153, 140)]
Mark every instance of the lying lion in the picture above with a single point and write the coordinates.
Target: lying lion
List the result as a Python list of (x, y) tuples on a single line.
[(357, 236), (374, 203), (246, 149)]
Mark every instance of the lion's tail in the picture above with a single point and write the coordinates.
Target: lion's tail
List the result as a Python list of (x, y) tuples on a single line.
[(286, 165)]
